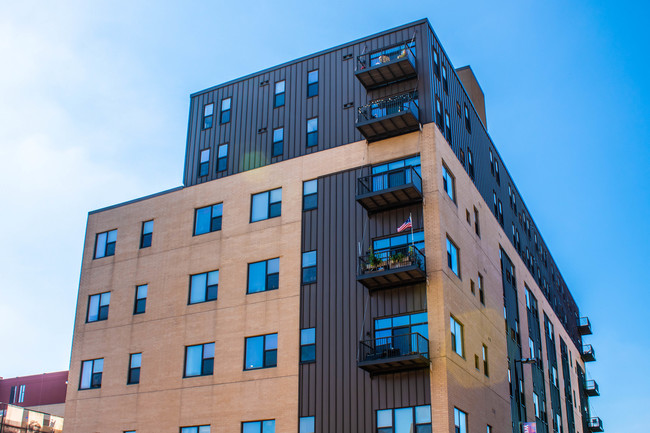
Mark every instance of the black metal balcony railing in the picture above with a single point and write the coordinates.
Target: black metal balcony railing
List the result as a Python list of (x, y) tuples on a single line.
[(389, 189), (591, 388), (386, 66), (396, 353), (595, 424), (393, 267), (588, 353), (389, 117), (584, 326)]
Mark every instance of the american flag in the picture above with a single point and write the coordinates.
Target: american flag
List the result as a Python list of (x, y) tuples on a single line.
[(407, 225)]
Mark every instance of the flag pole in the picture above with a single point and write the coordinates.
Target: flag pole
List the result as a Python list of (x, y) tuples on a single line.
[(412, 240)]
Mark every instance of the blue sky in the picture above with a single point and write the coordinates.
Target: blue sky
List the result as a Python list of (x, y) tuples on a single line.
[(94, 99)]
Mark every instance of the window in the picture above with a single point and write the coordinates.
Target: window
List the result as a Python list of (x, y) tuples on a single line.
[(481, 293), (309, 267), (208, 219), (398, 243), (496, 172), (468, 125), (558, 422), (204, 287), (448, 183), (406, 419), (266, 205), (196, 429), (488, 429), (134, 369), (17, 394), (199, 360), (264, 275), (444, 78), (278, 142), (458, 110), (486, 370), (208, 111), (395, 173), (312, 132), (477, 226), (494, 198), (396, 332), (307, 345), (470, 163), (441, 126), (452, 257), (310, 195), (225, 110), (204, 162), (261, 352), (279, 94), (105, 244), (91, 373), (460, 421), (554, 376), (266, 426), (531, 346), (307, 424), (312, 83), (436, 63), (147, 234), (456, 336), (140, 299), (471, 287), (222, 157), (500, 213), (98, 307), (448, 129)]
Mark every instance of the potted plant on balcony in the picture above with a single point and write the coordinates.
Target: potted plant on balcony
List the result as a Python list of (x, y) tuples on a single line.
[(373, 261), (397, 259)]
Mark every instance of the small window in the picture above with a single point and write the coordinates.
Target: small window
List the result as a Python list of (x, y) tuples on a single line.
[(491, 162), (456, 336), (307, 345), (204, 162), (222, 157), (263, 276), (199, 360), (309, 267), (196, 429), (468, 125), (448, 130), (486, 371), (208, 219), (147, 234), (494, 198), (21, 394), (477, 224), (204, 287), (496, 172), (278, 142), (472, 287), (105, 244), (279, 94), (261, 352), (312, 83), (448, 183), (436, 63), (470, 163), (307, 424), (266, 205), (140, 299), (439, 120), (452, 257), (91, 373), (225, 110), (310, 194), (266, 426), (98, 307), (481, 293), (460, 421), (134, 369), (467, 217), (444, 79), (500, 213), (208, 111), (458, 110), (488, 429), (312, 132), (536, 404)]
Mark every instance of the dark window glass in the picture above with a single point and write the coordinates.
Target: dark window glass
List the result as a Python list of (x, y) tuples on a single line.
[(261, 352), (496, 172), (439, 115), (500, 213), (134, 369), (477, 226), (312, 132), (199, 360), (279, 94), (470, 164), (147, 234), (140, 299), (91, 373), (448, 130), (444, 79), (266, 205), (436, 63), (453, 257), (307, 345), (208, 111), (278, 142), (468, 125), (406, 419), (204, 162), (204, 287), (105, 244), (208, 219), (225, 110), (309, 267), (310, 195), (264, 275), (98, 307), (448, 183), (312, 83), (222, 157)]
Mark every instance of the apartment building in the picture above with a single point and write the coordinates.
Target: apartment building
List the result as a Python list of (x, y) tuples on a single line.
[(348, 253)]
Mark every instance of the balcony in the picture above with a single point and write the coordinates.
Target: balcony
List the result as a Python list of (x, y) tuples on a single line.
[(596, 424), (389, 117), (588, 353), (386, 66), (396, 266), (584, 326), (396, 353), (591, 388), (390, 189)]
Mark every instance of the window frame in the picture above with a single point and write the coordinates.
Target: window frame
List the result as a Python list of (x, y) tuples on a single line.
[(309, 424), (262, 425), (146, 237), (312, 136), (485, 356), (222, 161), (224, 116), (460, 416), (275, 152), (269, 205), (449, 182), (130, 379), (309, 197), (306, 271), (204, 163), (468, 124), (268, 276), (195, 429), (307, 346), (204, 360), (481, 291), (108, 246), (207, 117), (312, 86), (414, 418), (100, 307), (457, 328), (214, 220), (448, 130), (279, 96), (453, 252), (93, 384), (207, 297), (264, 353), (139, 300), (470, 163)]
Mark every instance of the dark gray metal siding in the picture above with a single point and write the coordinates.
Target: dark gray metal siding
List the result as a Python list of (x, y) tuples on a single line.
[(568, 391), (539, 385), (556, 404)]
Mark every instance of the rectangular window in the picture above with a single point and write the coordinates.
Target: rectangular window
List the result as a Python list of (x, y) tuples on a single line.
[(452, 257), (312, 83), (536, 404), (470, 164), (225, 110), (486, 370), (310, 195), (481, 292), (222, 157), (13, 394), (468, 125), (199, 360), (439, 115), (204, 287), (312, 132), (105, 244), (456, 336), (266, 426), (404, 420), (496, 172), (98, 307), (204, 162), (147, 234), (477, 225), (309, 267), (444, 78), (488, 429), (267, 204), (278, 142), (134, 369), (500, 213), (208, 219), (460, 421), (436, 63), (140, 299), (307, 424), (448, 130), (208, 111), (261, 352), (279, 94), (264, 275), (21, 394), (307, 345), (196, 429), (491, 162), (91, 373), (448, 183)]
